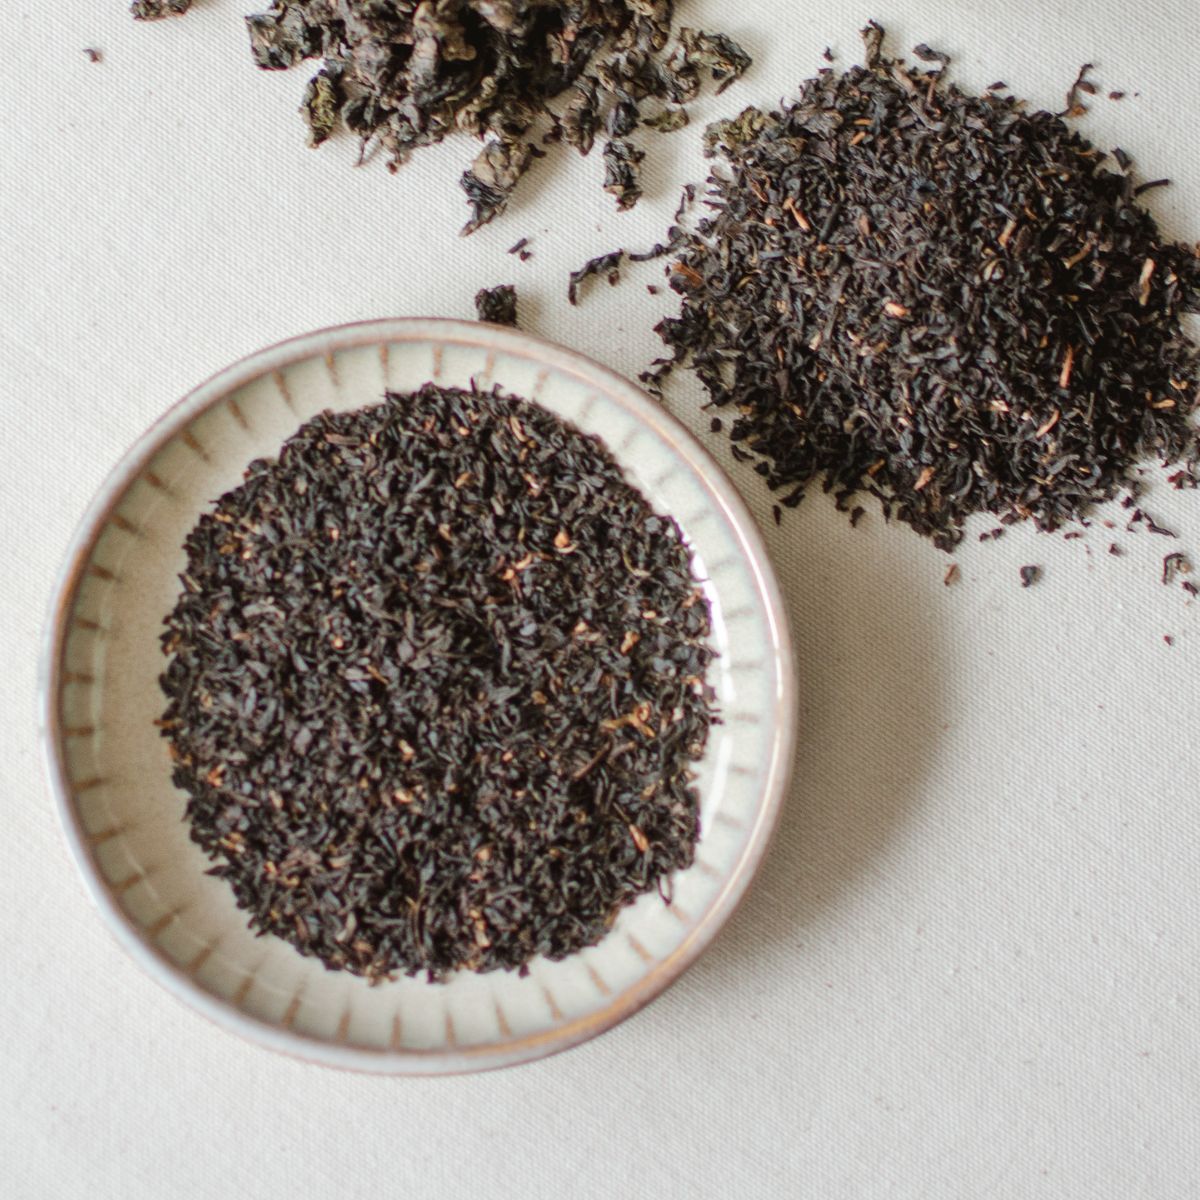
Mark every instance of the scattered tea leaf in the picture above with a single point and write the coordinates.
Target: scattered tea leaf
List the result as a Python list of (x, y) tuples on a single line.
[(1081, 84), (1173, 565), (608, 265)]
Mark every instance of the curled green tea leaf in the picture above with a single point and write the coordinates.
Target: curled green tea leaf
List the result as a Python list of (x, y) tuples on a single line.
[(153, 10), (321, 106), (283, 37), (492, 179), (720, 55), (667, 121), (623, 172)]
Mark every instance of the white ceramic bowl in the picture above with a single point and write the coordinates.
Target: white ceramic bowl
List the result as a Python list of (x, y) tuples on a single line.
[(110, 772)]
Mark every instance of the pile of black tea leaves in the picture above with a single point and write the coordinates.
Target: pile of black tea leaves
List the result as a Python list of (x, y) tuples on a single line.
[(436, 688), (945, 300), (517, 74)]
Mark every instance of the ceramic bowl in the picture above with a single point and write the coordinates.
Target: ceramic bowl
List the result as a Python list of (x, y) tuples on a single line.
[(111, 776)]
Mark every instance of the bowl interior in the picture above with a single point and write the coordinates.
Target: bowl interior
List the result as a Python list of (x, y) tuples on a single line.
[(125, 817)]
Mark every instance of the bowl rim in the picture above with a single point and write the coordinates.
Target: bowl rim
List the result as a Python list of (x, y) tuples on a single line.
[(719, 489)]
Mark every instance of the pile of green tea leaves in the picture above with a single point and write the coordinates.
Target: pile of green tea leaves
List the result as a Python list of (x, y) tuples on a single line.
[(516, 73)]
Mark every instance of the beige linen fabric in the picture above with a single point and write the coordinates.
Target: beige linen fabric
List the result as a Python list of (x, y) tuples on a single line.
[(971, 966)]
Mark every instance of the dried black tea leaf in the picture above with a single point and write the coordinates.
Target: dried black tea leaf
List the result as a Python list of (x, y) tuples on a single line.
[(942, 299), (675, 238), (608, 265), (93, 55), (402, 75), (497, 305), (667, 121), (1154, 183), (436, 686), (1173, 565), (1030, 576), (1081, 85)]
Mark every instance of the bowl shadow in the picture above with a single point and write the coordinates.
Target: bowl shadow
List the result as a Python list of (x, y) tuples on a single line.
[(871, 714)]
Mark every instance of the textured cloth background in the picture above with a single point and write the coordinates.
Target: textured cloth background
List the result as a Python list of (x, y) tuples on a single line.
[(971, 965)]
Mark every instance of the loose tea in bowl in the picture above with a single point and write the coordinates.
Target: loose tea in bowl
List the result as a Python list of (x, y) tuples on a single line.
[(436, 687), (109, 764)]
